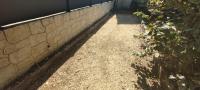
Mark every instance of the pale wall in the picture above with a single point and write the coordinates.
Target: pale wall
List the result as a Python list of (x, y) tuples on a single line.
[(24, 45)]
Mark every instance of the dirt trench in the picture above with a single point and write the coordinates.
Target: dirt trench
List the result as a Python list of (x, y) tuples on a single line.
[(105, 61)]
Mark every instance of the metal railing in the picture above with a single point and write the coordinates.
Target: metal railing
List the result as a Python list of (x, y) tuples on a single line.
[(12, 11)]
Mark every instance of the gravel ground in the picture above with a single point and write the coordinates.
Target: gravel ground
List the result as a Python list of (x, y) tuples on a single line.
[(105, 61)]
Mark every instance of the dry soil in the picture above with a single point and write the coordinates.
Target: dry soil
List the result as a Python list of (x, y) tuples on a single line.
[(105, 61)]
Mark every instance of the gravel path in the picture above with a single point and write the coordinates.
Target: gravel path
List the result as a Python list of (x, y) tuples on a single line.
[(105, 61)]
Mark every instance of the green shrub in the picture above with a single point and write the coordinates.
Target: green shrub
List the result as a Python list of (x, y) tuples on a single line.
[(173, 34)]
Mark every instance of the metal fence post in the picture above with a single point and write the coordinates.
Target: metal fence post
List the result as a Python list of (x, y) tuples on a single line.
[(67, 7), (91, 3)]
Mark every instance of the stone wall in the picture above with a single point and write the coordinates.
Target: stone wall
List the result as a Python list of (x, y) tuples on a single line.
[(24, 45)]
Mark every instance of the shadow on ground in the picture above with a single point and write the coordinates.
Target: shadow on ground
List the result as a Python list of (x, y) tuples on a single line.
[(147, 78)]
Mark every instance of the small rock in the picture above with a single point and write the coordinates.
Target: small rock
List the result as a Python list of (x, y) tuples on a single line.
[(172, 77)]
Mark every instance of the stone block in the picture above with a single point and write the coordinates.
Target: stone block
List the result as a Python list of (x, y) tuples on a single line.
[(66, 20), (7, 74), (2, 36), (17, 33), (36, 27), (2, 44), (74, 14), (1, 52), (52, 37), (24, 43), (66, 17), (83, 24), (10, 48), (48, 21), (81, 13), (4, 61), (50, 28), (20, 55), (84, 11), (60, 36), (52, 40), (38, 38), (24, 66), (59, 20), (42, 56), (39, 49), (59, 30), (67, 35), (67, 25), (63, 38)]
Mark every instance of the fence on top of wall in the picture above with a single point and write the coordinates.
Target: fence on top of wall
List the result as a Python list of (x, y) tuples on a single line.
[(12, 11)]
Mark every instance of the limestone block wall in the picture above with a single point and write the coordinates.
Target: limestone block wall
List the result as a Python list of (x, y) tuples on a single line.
[(24, 45)]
